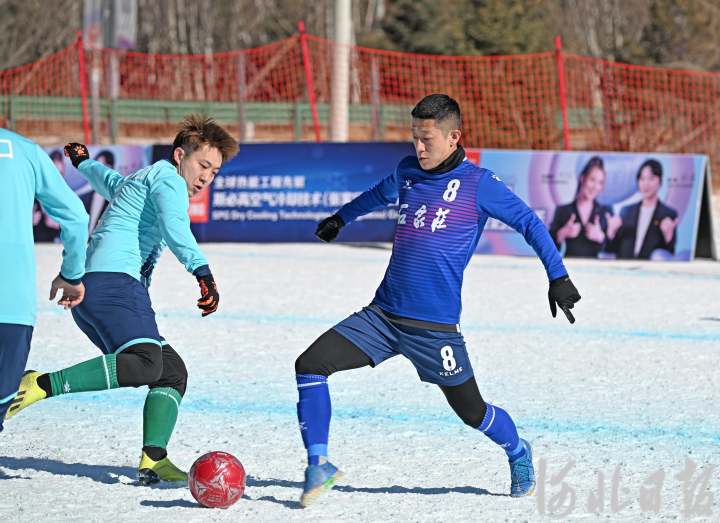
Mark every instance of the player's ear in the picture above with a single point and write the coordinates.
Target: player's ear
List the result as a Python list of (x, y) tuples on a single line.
[(455, 135), (178, 155)]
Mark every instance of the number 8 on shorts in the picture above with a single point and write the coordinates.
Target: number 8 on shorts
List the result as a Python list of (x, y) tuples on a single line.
[(448, 360)]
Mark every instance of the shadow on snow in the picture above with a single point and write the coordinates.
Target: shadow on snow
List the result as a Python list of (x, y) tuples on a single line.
[(107, 474)]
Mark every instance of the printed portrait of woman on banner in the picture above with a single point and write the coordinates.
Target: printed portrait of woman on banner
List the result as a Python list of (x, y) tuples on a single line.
[(581, 225)]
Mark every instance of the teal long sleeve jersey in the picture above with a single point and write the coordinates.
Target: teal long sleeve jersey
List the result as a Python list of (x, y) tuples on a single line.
[(28, 173), (148, 210)]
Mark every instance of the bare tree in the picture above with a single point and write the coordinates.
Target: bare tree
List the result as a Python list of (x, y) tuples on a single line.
[(28, 33), (654, 32), (609, 29)]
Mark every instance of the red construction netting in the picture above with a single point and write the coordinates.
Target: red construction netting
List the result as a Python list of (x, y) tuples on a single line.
[(633, 108), (34, 95), (507, 101), (272, 73)]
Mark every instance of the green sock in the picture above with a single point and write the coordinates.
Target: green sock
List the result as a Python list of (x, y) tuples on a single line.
[(159, 416), (96, 374)]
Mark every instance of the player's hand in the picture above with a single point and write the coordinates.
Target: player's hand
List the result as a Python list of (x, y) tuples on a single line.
[(563, 294), (328, 229), (77, 153), (72, 295), (209, 295)]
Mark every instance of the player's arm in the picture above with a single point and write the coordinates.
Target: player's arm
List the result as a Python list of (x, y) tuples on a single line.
[(102, 178), (377, 197), (499, 202), (63, 206), (169, 194)]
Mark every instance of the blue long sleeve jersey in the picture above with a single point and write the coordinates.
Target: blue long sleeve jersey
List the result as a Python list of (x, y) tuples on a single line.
[(148, 210), (28, 173), (441, 217)]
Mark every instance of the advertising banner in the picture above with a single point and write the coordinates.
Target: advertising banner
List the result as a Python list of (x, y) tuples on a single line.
[(278, 192), (595, 204), (602, 204)]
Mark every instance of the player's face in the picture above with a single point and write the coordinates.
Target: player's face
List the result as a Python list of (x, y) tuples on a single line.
[(198, 168), (433, 144), (648, 183), (593, 183)]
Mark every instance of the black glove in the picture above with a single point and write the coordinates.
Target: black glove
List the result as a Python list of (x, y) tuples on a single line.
[(563, 293), (209, 295), (77, 153), (328, 229)]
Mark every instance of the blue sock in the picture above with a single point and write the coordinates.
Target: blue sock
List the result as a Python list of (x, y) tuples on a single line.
[(499, 427), (314, 411)]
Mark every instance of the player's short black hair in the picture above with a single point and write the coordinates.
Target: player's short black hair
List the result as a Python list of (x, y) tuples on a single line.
[(439, 107), (655, 168)]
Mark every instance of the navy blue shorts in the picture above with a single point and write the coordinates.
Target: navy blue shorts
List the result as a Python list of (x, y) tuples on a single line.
[(116, 312), (14, 351), (439, 357)]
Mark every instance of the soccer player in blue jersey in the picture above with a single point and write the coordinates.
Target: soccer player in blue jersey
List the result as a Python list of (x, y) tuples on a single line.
[(148, 210), (444, 203), (28, 173)]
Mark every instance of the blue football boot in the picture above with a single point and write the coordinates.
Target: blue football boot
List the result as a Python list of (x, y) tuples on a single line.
[(522, 473), (318, 480)]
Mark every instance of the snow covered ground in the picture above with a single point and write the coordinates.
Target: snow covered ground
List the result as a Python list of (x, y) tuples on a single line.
[(619, 406)]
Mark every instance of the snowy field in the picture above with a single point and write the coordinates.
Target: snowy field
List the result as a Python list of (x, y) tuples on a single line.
[(622, 407)]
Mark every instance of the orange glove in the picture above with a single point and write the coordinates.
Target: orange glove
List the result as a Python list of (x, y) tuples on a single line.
[(209, 295)]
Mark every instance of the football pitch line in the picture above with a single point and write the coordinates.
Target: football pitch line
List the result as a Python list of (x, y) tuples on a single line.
[(324, 323), (197, 403)]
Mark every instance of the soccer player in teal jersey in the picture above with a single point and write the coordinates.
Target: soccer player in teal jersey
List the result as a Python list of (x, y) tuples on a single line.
[(148, 210), (28, 173)]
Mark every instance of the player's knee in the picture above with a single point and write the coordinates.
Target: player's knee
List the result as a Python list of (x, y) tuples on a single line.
[(467, 402), (179, 383), (473, 417), (175, 374), (306, 363), (139, 365)]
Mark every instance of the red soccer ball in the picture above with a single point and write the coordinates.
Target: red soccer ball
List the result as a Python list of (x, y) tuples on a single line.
[(217, 479)]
